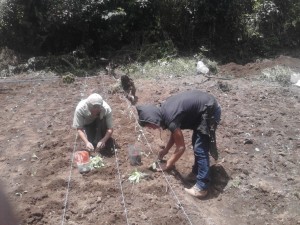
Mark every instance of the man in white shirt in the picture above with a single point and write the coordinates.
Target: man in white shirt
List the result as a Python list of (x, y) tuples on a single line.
[(93, 121)]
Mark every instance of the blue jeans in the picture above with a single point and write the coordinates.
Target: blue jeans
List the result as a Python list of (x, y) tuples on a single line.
[(200, 144)]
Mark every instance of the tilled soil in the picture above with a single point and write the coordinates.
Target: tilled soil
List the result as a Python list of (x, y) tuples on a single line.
[(255, 181)]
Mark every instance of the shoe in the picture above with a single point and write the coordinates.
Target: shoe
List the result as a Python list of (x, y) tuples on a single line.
[(191, 177), (196, 192)]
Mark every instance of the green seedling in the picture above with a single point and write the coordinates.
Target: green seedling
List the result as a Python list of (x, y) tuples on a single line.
[(236, 183), (33, 173), (136, 176), (155, 165), (34, 156), (96, 162), (20, 194)]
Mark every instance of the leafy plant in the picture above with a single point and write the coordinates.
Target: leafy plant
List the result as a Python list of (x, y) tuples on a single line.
[(136, 176), (236, 183), (68, 78), (96, 162)]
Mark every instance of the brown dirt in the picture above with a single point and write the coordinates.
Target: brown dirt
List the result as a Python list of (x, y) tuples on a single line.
[(256, 180)]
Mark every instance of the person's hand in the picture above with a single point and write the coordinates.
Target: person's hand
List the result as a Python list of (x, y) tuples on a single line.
[(162, 153), (164, 166), (100, 145), (90, 146), (161, 167)]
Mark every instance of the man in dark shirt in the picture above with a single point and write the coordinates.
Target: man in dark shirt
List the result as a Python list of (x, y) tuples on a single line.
[(194, 110)]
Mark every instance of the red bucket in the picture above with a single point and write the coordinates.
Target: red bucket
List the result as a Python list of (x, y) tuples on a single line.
[(82, 159)]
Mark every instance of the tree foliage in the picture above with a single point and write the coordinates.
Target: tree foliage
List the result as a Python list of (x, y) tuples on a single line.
[(149, 28)]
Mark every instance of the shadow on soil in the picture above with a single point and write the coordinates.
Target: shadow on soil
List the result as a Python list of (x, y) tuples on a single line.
[(219, 180)]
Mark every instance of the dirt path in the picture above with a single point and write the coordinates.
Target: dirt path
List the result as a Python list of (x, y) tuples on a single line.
[(256, 180)]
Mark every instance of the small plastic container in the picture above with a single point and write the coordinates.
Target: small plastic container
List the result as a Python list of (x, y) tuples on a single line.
[(82, 159), (135, 157)]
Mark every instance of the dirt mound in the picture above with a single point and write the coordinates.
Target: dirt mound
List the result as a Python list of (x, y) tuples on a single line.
[(256, 180), (255, 68)]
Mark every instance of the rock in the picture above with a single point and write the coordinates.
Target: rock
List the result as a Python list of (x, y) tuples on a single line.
[(201, 68), (264, 186), (298, 83), (144, 217), (295, 78), (223, 86), (99, 199), (248, 141)]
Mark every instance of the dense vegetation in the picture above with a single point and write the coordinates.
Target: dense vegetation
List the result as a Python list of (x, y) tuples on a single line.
[(148, 29)]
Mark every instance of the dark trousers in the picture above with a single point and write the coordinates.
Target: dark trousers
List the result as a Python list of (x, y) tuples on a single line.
[(95, 131)]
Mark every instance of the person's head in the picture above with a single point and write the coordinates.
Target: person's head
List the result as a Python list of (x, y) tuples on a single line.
[(149, 116), (94, 103)]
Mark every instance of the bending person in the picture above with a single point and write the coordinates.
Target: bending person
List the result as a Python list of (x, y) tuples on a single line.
[(194, 110), (93, 121)]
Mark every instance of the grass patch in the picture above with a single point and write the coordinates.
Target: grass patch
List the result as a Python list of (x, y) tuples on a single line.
[(177, 67), (279, 74)]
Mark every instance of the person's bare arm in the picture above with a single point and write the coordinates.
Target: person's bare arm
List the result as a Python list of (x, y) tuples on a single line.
[(178, 139), (180, 148), (83, 137), (108, 134), (165, 151)]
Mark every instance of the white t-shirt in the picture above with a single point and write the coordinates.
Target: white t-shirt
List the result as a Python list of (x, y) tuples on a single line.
[(82, 115)]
